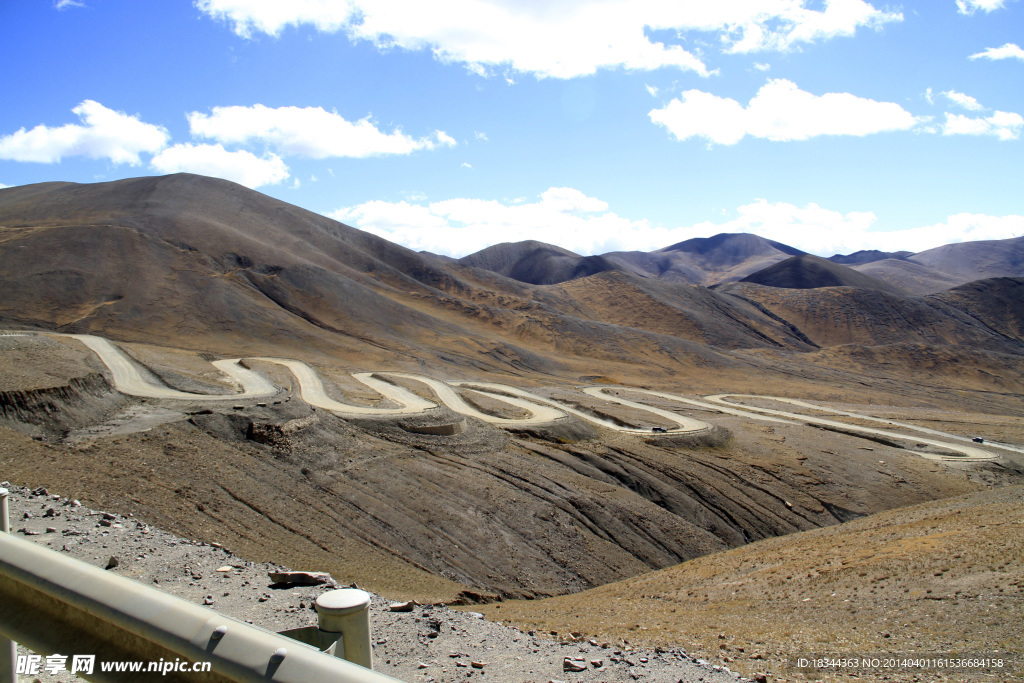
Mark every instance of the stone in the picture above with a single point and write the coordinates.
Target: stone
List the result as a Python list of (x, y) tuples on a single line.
[(112, 562), (402, 606), (574, 664), (301, 578)]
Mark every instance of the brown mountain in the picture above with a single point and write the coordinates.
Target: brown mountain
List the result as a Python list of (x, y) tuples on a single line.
[(205, 263), (706, 260), (812, 272), (909, 276), (181, 268), (980, 315), (950, 265), (536, 263), (868, 256)]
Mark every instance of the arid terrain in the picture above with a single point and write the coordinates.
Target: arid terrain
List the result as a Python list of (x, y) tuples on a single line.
[(748, 533)]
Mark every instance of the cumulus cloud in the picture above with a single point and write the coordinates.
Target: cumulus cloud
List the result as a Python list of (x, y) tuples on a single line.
[(241, 166), (102, 134), (1002, 124), (810, 228), (456, 227), (309, 132), (779, 112), (561, 39), (961, 100), (825, 232), (570, 219), (969, 7), (65, 4), (1008, 51)]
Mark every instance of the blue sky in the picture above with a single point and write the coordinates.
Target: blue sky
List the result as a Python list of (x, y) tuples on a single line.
[(830, 125)]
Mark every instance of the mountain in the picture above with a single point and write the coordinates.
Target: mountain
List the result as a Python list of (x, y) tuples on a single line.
[(730, 257), (184, 256), (950, 265), (980, 315), (812, 272), (181, 269), (908, 276), (207, 264), (706, 260), (536, 263), (868, 256)]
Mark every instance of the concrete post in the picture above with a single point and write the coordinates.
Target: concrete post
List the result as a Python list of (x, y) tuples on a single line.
[(347, 611), (5, 511), (8, 648)]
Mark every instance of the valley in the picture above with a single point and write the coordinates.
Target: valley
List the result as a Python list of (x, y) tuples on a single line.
[(236, 370)]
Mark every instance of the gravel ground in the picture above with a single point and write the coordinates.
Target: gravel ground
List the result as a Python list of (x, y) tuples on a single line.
[(430, 643)]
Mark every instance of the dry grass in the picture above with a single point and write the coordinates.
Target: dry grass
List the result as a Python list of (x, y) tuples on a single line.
[(935, 579)]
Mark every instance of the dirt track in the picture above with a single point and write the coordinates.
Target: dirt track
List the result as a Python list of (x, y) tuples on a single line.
[(130, 379)]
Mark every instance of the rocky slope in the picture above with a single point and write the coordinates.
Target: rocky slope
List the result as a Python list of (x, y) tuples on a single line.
[(942, 580), (426, 643)]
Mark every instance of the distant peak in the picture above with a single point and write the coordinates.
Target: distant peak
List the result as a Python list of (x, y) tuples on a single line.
[(733, 241)]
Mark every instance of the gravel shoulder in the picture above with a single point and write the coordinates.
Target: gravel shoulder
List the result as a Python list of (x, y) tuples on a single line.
[(429, 643)]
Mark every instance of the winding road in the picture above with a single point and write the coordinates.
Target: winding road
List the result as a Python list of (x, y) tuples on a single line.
[(130, 378)]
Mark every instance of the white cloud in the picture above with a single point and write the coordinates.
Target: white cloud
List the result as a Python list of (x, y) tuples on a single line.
[(102, 134), (762, 67), (309, 132), (456, 227), (826, 232), (481, 136), (965, 101), (557, 39), (1008, 51), (971, 6), (779, 112), (64, 4), (810, 228), (2, 186), (466, 164), (961, 227), (241, 167), (1002, 124), (570, 219)]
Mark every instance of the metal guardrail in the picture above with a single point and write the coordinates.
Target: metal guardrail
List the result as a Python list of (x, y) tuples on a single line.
[(52, 603), (8, 648)]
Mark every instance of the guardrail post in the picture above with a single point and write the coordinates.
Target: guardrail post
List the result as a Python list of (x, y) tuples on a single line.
[(8, 648), (347, 611)]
